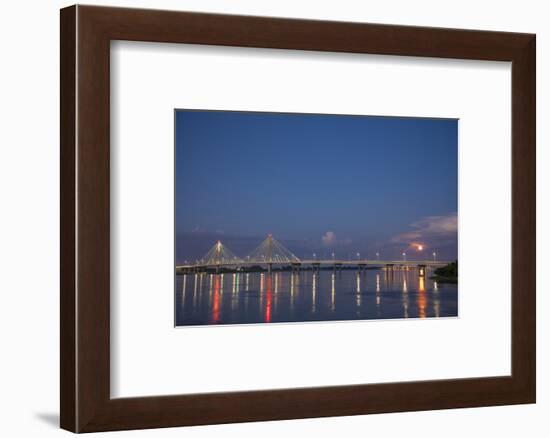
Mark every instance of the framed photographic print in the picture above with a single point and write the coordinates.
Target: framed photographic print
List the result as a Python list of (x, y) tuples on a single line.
[(332, 173), (267, 218)]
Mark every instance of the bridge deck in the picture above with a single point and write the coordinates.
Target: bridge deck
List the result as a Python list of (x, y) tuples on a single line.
[(324, 262)]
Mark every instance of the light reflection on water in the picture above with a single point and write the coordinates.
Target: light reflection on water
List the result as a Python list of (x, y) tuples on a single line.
[(239, 298)]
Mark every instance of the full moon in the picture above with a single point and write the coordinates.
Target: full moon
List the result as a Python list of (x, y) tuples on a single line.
[(420, 247)]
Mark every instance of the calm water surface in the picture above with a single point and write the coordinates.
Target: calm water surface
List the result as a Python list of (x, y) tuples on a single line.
[(306, 296)]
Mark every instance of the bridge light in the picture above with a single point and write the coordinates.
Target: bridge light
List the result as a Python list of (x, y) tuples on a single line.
[(377, 256), (404, 257)]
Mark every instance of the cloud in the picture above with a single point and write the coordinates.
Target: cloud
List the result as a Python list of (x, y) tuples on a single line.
[(429, 230), (329, 239)]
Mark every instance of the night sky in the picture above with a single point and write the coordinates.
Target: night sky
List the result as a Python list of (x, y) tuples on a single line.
[(318, 183)]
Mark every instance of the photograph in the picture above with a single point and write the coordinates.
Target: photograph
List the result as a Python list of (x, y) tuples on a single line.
[(291, 217)]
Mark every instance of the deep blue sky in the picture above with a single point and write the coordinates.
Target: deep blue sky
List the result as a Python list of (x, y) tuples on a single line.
[(372, 183)]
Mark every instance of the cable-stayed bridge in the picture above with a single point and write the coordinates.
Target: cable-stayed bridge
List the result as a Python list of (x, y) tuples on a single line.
[(271, 252)]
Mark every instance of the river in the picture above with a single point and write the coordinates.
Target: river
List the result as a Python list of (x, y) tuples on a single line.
[(245, 298)]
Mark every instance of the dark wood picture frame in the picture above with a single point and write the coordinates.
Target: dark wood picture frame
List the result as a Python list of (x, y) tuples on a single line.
[(86, 33)]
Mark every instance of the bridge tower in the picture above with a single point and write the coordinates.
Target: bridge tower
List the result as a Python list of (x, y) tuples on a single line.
[(271, 251), (218, 256)]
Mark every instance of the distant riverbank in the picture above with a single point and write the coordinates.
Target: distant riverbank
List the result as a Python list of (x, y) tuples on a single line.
[(447, 274)]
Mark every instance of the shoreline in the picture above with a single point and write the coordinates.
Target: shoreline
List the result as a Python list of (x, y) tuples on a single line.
[(444, 280)]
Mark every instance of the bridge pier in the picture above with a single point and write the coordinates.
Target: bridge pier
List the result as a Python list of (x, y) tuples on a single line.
[(296, 267), (269, 268), (316, 267), (421, 270), (362, 267)]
